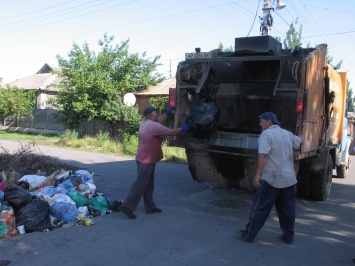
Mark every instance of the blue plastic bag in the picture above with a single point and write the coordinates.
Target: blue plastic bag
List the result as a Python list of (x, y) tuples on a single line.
[(64, 211)]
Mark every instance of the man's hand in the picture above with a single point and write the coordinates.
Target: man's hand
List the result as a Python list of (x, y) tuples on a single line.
[(256, 181), (170, 109), (186, 128)]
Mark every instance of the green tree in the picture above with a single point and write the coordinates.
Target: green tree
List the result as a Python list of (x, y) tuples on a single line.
[(330, 62), (349, 97), (16, 102), (293, 37), (94, 84), (225, 49)]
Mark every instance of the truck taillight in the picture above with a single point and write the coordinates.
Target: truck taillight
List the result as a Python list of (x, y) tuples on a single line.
[(171, 96), (299, 106)]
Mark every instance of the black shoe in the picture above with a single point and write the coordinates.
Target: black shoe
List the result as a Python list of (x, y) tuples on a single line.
[(287, 241), (154, 210), (128, 212), (243, 236)]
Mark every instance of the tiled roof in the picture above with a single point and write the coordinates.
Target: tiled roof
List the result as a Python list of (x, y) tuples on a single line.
[(42, 82), (160, 89)]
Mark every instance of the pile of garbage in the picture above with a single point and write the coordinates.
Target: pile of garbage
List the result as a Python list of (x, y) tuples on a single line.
[(42, 203)]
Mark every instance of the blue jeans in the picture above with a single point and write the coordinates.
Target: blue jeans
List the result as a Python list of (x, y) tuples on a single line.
[(265, 198)]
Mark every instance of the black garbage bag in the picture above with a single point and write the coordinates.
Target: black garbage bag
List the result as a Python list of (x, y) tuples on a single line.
[(204, 120), (16, 196), (34, 216)]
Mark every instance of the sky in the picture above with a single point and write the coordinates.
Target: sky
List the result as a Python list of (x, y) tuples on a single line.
[(33, 32)]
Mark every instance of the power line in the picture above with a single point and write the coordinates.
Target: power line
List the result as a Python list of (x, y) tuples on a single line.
[(49, 14), (256, 13), (53, 22), (36, 11), (329, 34)]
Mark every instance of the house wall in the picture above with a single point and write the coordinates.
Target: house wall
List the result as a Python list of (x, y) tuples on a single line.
[(142, 102)]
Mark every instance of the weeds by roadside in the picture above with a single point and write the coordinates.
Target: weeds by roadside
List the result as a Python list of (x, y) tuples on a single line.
[(100, 143), (28, 159)]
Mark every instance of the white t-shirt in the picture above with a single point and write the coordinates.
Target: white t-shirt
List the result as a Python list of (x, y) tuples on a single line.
[(279, 144)]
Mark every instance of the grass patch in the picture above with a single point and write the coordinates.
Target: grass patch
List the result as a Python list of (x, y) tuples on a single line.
[(100, 143)]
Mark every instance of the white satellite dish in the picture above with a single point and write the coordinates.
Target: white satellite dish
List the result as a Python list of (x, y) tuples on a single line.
[(129, 99)]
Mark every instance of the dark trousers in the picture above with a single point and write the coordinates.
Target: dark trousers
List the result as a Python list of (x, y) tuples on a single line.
[(142, 186), (265, 198)]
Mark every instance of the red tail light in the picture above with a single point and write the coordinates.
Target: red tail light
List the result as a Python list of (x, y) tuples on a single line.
[(299, 106), (171, 96)]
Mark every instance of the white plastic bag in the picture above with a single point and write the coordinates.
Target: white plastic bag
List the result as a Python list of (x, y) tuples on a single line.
[(34, 181), (63, 198)]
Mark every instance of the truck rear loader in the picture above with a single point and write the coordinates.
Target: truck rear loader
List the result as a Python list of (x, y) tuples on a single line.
[(222, 94)]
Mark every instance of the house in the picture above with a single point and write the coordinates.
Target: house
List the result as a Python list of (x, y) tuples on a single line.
[(161, 89), (44, 82)]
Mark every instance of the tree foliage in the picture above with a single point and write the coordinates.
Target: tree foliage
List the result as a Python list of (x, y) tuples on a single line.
[(161, 104), (349, 97), (225, 49), (94, 84), (330, 62), (293, 37), (16, 102)]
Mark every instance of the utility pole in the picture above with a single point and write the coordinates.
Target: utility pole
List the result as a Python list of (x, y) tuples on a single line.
[(267, 20)]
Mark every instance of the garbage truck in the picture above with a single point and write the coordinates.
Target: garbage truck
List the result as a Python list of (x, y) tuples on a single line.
[(222, 94)]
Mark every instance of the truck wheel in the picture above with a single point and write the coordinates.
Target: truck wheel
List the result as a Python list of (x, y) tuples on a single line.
[(303, 181), (303, 186), (341, 171), (321, 183)]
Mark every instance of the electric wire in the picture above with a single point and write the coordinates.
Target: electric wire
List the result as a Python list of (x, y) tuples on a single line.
[(73, 17), (33, 20), (256, 13)]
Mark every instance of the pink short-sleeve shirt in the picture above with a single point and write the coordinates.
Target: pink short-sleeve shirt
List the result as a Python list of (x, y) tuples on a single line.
[(149, 147)]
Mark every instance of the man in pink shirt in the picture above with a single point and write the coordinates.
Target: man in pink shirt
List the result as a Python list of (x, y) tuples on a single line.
[(149, 152)]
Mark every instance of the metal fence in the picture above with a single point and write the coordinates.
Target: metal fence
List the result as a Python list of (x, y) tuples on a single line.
[(47, 121)]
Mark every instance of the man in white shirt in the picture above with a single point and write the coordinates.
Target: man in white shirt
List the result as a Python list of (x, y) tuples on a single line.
[(274, 179)]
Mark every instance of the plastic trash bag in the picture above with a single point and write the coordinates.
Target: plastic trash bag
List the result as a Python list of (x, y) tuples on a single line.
[(80, 199), (16, 196), (7, 222), (2, 195), (3, 228), (99, 203), (34, 181), (34, 216), (204, 120), (48, 190), (66, 186), (64, 211), (63, 198), (2, 183), (81, 177)]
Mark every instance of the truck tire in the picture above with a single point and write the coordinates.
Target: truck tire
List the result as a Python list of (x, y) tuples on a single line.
[(321, 183), (303, 187), (342, 171)]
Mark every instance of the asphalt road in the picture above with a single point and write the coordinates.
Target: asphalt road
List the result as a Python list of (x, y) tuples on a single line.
[(197, 226)]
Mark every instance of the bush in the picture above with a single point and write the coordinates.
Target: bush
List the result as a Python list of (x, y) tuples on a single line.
[(103, 136), (68, 137), (130, 144)]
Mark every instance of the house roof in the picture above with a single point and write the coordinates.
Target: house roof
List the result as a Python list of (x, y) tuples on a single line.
[(43, 80), (160, 89), (46, 68)]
